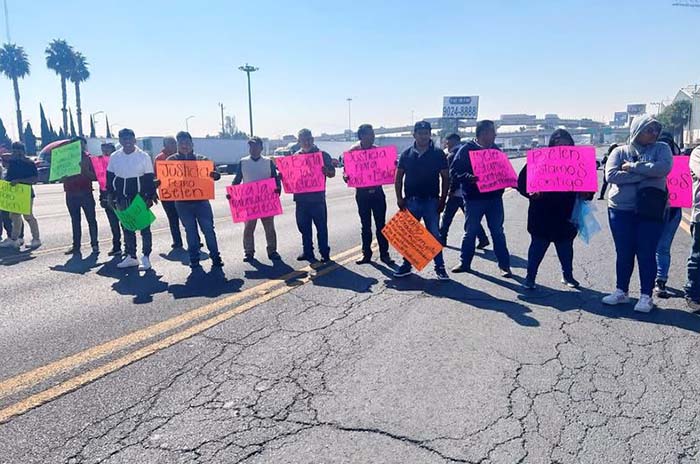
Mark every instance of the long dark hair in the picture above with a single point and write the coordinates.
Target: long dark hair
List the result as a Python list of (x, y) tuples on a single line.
[(561, 134)]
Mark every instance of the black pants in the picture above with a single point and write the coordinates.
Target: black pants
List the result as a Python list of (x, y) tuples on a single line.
[(86, 202), (173, 221), (603, 188), (115, 227), (372, 203), (130, 242), (309, 214)]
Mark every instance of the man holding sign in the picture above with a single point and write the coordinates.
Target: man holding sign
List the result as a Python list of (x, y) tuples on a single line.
[(78, 189), (371, 201), (21, 170), (481, 203), (195, 213), (253, 168), (422, 183)]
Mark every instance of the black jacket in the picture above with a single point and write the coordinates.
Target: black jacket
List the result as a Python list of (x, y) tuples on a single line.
[(461, 173)]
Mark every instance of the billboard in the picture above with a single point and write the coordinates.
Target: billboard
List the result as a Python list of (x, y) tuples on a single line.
[(460, 107), (621, 118), (634, 110)]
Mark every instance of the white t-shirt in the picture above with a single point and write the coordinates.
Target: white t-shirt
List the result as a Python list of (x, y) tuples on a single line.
[(134, 164)]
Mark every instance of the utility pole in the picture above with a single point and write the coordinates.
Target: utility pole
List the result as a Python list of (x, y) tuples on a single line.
[(223, 128), (249, 69), (349, 119), (7, 23)]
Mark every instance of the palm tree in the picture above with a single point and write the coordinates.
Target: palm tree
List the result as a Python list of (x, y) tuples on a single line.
[(15, 65), (59, 58), (79, 73)]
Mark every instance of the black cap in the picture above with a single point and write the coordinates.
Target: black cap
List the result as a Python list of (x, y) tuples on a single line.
[(422, 125), (255, 139)]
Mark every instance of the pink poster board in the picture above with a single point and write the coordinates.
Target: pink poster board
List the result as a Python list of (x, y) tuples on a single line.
[(493, 169), (254, 200), (562, 169), (680, 183), (370, 168), (302, 173), (99, 164)]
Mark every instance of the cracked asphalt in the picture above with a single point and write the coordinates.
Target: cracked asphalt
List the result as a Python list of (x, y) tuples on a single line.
[(357, 367)]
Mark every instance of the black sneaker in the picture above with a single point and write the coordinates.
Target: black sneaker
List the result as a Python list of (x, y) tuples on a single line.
[(364, 260), (660, 289), (217, 262), (442, 274), (460, 268), (325, 259), (72, 251), (506, 273), (274, 256), (529, 284), (115, 252), (305, 257), (483, 244), (403, 271), (570, 282)]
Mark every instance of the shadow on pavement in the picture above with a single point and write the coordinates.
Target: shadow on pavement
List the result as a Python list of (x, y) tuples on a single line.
[(201, 283), (141, 286), (77, 265), (343, 278), (180, 255), (266, 271), (10, 257), (455, 290)]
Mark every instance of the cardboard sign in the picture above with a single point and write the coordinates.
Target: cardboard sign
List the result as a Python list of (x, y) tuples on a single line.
[(137, 216), (65, 161), (302, 173), (99, 164), (370, 168), (254, 200), (17, 199), (493, 169), (562, 169), (411, 239), (185, 180), (680, 183)]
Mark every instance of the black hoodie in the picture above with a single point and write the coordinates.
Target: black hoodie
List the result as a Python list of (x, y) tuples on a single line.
[(461, 173)]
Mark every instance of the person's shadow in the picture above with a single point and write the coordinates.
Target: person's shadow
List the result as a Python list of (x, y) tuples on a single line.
[(201, 283), (337, 276), (278, 270), (182, 256), (10, 257), (77, 265), (141, 287)]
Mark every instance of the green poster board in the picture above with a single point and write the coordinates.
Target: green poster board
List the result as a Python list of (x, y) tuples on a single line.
[(17, 199), (65, 161), (137, 216)]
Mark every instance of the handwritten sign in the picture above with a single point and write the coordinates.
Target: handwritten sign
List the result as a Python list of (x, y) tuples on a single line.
[(254, 200), (99, 164), (185, 180), (302, 173), (137, 216), (680, 183), (369, 168), (17, 199), (562, 169), (411, 239), (493, 169), (65, 161)]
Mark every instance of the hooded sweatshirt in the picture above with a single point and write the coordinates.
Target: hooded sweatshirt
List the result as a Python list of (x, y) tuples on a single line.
[(650, 165), (695, 173), (461, 172)]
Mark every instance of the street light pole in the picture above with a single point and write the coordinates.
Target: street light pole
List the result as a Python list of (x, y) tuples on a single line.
[(349, 116), (187, 123), (223, 130), (7, 24), (249, 69)]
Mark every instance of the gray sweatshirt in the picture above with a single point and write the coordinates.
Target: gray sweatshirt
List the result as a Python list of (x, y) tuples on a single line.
[(695, 173), (650, 165)]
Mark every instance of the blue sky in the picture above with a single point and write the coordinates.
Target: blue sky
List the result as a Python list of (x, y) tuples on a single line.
[(154, 63)]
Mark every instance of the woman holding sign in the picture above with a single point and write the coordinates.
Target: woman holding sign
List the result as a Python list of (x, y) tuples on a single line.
[(549, 221), (637, 206)]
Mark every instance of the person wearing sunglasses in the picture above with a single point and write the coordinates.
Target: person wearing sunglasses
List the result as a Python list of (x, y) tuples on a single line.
[(637, 207)]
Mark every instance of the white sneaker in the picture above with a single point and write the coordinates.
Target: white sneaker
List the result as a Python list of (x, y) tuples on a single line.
[(616, 298), (35, 243), (645, 304), (145, 263), (9, 243), (128, 262)]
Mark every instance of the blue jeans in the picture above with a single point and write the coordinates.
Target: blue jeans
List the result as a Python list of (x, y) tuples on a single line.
[(634, 238), (692, 286), (75, 202), (427, 210), (538, 248), (663, 249), (309, 214), (454, 204), (493, 210), (130, 242), (196, 215)]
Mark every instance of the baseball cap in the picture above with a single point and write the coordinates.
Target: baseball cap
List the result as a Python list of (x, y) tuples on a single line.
[(255, 139), (421, 125)]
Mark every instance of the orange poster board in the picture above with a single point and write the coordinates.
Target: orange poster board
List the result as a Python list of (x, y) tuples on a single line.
[(185, 180), (411, 239)]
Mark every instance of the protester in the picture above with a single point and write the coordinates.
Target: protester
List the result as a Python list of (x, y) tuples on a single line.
[(673, 220), (252, 168), (422, 184), (130, 173), (605, 179), (196, 214), (5, 221), (456, 197), (78, 189), (636, 207), (478, 204), (371, 201), (22, 170), (115, 227), (169, 149), (692, 286), (549, 221), (311, 207)]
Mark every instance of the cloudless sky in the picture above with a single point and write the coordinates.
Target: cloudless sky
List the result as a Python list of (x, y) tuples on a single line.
[(155, 62)]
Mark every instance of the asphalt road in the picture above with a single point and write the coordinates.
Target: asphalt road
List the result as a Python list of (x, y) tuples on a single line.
[(337, 364)]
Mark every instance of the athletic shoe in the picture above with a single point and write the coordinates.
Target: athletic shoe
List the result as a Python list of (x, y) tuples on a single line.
[(616, 298), (506, 273), (529, 284), (325, 259), (72, 251), (403, 271), (693, 305), (35, 243), (304, 257), (115, 252), (660, 289), (386, 259), (9, 243), (217, 262), (442, 274), (128, 261), (483, 244), (461, 268), (274, 256), (145, 264), (570, 282), (645, 304), (364, 260)]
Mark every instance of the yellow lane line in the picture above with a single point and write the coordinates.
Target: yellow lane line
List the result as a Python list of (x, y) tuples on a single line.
[(40, 374), (76, 382)]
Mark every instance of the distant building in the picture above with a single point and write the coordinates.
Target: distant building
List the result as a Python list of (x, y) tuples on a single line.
[(691, 134)]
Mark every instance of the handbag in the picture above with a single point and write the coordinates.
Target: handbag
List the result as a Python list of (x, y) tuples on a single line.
[(651, 204)]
